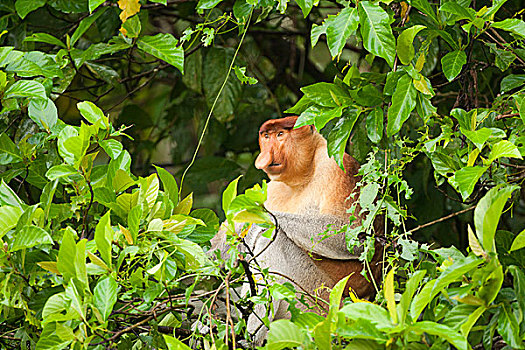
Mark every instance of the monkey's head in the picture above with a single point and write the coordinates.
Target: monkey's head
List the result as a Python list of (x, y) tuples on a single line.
[(286, 153)]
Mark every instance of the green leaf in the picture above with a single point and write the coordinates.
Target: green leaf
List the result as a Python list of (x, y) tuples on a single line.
[(283, 334), (410, 289), (9, 216), (207, 4), (93, 114), (306, 6), (24, 7), (111, 147), (93, 4), (8, 151), (518, 285), (164, 47), (45, 38), (514, 25), (327, 95), (338, 137), (174, 343), (508, 327), (318, 116), (373, 313), (43, 112), (30, 236), (388, 290), (105, 296), (504, 148), (518, 243), (26, 88), (337, 293), (491, 285), (104, 238), (229, 194), (520, 103), (66, 255), (374, 125), (460, 12), (488, 212), (9, 197), (376, 31), (403, 102), (405, 49), (511, 82), (134, 216), (441, 331), (132, 27), (169, 184), (452, 63), (84, 26), (340, 28), (425, 8), (466, 178), (478, 137)]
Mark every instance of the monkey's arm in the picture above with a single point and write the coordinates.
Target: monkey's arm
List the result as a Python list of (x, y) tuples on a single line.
[(305, 230)]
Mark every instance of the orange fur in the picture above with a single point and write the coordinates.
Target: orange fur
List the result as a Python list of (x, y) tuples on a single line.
[(303, 178)]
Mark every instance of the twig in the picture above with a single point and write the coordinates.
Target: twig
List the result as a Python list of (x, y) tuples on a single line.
[(441, 219), (502, 116)]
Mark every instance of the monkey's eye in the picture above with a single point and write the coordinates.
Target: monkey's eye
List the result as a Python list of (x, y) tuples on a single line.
[(266, 136), (280, 134)]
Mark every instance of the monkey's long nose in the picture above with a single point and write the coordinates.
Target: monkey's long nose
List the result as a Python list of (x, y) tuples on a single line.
[(263, 160)]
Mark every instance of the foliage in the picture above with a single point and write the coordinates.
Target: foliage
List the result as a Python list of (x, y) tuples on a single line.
[(100, 249)]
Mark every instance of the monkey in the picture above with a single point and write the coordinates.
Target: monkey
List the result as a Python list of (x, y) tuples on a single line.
[(307, 193), (305, 180)]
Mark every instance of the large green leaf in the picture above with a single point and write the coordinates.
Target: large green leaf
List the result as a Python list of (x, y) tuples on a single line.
[(66, 256), (9, 216), (466, 178), (45, 38), (407, 296), (306, 6), (373, 313), (514, 25), (339, 135), (215, 68), (340, 29), (174, 343), (104, 238), (504, 149), (425, 7), (374, 125), (405, 49), (84, 26), (376, 31), (30, 236), (8, 151), (9, 197), (452, 63), (284, 334), (318, 116), (105, 296), (488, 212), (518, 243), (441, 331), (93, 114), (169, 185), (403, 103), (43, 112), (478, 137), (327, 95), (24, 7), (164, 47), (26, 88), (511, 82), (459, 11), (508, 327)]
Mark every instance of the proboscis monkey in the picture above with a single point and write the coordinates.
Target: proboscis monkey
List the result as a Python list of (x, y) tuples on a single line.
[(307, 192)]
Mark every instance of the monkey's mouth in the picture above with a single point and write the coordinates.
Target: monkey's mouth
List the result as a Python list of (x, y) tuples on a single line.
[(274, 168)]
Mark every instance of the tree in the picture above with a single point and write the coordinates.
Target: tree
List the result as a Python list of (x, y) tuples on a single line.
[(100, 248)]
